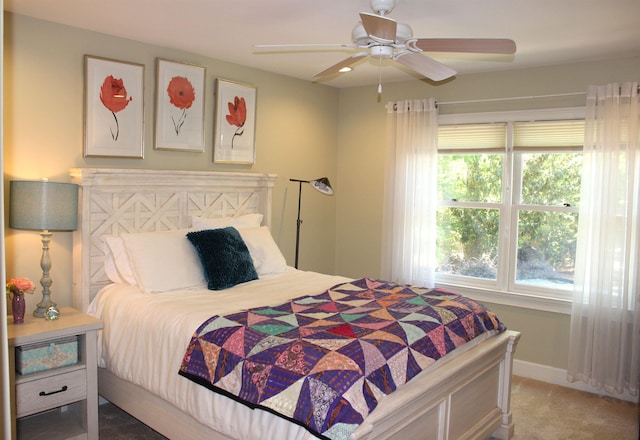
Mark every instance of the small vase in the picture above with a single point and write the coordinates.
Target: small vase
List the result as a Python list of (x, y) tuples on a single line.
[(18, 306)]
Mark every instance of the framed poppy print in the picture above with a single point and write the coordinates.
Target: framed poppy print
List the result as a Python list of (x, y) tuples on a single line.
[(179, 106), (235, 122), (113, 108)]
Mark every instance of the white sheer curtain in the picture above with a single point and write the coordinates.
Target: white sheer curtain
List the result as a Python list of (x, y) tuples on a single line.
[(409, 218), (605, 323)]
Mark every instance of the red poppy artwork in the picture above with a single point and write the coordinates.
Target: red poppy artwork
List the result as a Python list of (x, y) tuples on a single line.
[(180, 97), (181, 94), (113, 95), (113, 108), (235, 124), (237, 116)]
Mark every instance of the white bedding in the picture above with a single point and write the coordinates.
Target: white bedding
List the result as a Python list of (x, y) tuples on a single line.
[(146, 334)]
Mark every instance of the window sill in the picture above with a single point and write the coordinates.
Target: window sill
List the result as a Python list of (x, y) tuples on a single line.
[(522, 300)]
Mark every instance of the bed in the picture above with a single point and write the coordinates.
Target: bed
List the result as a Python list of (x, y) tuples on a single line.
[(464, 394)]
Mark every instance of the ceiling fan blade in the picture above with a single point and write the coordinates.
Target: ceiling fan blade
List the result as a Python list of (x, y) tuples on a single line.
[(344, 63), (425, 66), (472, 45), (379, 28)]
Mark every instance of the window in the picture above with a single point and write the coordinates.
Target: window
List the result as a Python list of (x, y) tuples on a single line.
[(508, 204)]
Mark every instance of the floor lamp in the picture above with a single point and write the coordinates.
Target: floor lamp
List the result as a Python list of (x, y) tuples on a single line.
[(322, 184), (44, 206)]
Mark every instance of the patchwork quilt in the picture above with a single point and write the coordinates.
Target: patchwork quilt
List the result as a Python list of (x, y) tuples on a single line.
[(325, 361)]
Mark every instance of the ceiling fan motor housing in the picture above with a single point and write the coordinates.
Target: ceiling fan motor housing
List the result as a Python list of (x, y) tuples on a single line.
[(361, 38), (382, 7), (403, 33), (359, 35)]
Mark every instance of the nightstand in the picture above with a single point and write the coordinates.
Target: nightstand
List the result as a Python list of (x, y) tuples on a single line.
[(59, 403)]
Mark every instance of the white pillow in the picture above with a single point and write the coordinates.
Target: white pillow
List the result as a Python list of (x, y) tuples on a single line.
[(266, 256), (242, 221), (164, 260), (116, 261), (110, 266)]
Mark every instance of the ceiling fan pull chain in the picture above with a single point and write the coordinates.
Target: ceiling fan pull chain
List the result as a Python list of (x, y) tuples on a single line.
[(380, 76)]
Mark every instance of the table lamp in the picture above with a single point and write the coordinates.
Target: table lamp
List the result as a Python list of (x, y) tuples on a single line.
[(44, 206)]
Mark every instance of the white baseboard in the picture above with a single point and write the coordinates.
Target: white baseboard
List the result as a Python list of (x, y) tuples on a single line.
[(558, 376)]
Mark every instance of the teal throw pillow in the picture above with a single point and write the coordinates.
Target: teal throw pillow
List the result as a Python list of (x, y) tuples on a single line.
[(225, 259)]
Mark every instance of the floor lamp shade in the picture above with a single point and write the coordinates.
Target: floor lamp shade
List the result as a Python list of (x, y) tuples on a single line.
[(321, 184), (44, 206)]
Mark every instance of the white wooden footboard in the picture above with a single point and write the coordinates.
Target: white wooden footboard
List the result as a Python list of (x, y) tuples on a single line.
[(468, 398)]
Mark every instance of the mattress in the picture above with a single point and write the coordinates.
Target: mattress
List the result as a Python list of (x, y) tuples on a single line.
[(145, 336)]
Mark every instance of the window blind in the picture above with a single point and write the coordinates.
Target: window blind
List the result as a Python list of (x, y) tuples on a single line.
[(567, 134), (559, 135), (453, 138)]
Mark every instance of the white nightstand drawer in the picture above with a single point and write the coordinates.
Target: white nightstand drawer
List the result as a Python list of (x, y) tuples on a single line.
[(49, 392)]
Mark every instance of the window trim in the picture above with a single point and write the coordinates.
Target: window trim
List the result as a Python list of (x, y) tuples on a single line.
[(526, 299), (514, 299)]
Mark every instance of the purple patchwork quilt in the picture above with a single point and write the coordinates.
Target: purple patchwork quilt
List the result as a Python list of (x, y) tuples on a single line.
[(325, 361)]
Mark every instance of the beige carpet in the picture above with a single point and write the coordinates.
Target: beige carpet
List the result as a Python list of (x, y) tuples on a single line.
[(540, 411)]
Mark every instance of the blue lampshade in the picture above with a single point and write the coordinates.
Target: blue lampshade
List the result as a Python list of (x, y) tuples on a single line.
[(43, 205)]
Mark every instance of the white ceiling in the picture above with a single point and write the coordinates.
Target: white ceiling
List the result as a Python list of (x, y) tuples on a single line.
[(546, 32)]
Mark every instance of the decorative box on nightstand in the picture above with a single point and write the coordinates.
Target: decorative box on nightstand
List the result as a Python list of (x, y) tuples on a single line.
[(60, 401)]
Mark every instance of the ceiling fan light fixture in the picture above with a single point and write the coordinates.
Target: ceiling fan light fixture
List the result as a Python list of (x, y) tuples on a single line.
[(381, 51)]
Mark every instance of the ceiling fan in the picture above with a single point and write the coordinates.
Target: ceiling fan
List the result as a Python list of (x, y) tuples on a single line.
[(382, 37)]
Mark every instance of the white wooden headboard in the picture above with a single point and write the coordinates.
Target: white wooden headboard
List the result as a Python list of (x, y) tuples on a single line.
[(116, 201)]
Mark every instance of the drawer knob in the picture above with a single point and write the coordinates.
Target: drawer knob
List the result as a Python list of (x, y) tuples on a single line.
[(64, 388)]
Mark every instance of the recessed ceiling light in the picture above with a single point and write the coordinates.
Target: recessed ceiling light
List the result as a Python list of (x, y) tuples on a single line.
[(345, 69)]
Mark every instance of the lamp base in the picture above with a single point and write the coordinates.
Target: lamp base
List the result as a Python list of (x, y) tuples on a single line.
[(45, 264), (42, 307)]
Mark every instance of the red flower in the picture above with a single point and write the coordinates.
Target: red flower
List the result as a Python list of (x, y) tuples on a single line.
[(237, 112), (181, 92), (237, 116), (113, 95), (20, 286)]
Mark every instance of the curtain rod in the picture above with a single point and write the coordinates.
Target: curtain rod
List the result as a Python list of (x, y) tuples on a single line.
[(509, 99), (515, 98)]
